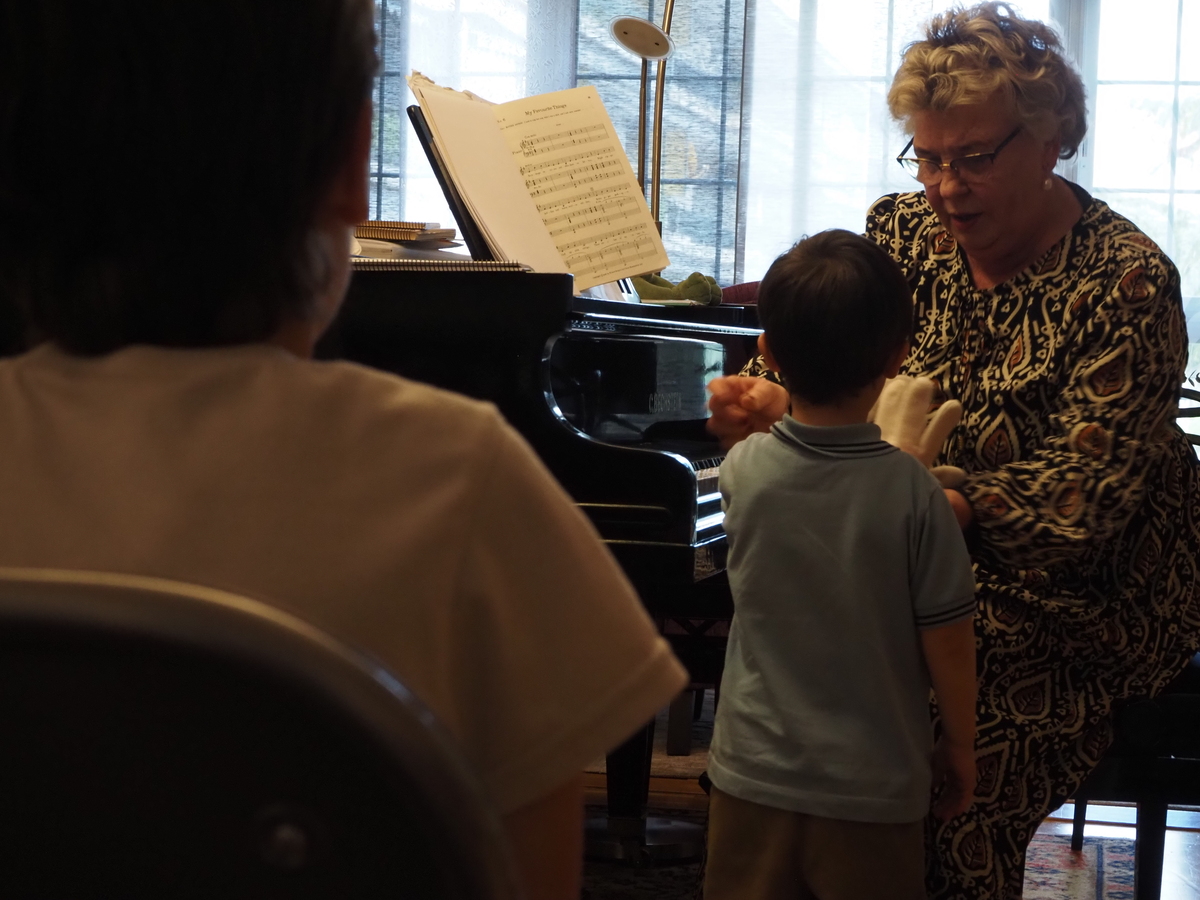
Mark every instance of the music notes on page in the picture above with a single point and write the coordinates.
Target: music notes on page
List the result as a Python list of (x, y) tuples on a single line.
[(582, 184)]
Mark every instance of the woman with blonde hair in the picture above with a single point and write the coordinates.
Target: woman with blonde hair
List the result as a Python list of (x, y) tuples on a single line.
[(1059, 327)]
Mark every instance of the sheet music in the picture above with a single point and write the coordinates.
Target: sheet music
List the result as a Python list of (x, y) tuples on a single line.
[(582, 185), (569, 202), (474, 150)]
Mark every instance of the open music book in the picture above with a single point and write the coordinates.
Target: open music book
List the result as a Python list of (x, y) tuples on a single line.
[(546, 180)]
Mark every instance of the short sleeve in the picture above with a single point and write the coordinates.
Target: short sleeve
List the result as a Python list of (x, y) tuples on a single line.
[(942, 582), (555, 661)]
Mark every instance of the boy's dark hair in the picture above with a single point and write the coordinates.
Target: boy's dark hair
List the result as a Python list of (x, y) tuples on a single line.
[(162, 162), (835, 309)]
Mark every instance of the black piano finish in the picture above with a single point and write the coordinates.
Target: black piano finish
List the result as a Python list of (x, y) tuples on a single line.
[(610, 395)]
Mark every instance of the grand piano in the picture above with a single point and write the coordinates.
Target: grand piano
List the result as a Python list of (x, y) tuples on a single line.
[(612, 397)]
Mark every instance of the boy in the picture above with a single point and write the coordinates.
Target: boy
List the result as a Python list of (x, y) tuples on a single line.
[(852, 592)]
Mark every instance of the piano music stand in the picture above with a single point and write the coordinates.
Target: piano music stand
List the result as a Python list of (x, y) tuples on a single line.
[(467, 227)]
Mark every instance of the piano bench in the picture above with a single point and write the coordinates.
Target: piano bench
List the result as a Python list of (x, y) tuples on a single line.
[(744, 294), (700, 645), (683, 711)]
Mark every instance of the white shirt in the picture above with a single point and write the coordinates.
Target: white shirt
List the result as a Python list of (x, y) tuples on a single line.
[(412, 523)]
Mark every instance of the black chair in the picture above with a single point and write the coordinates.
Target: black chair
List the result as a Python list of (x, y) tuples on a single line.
[(171, 741), (1154, 762), (1155, 758), (1190, 412)]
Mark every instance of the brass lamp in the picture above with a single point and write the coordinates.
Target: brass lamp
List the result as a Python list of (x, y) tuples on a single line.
[(648, 41)]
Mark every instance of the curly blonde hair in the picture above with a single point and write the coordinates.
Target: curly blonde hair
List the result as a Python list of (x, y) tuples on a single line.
[(969, 54)]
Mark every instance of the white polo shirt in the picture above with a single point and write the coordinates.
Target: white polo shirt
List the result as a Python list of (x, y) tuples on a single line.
[(841, 548), (412, 523)]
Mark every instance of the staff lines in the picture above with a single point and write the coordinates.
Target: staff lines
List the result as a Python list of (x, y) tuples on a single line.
[(572, 137), (546, 184), (615, 234), (612, 208), (593, 194), (563, 161), (601, 219), (598, 261)]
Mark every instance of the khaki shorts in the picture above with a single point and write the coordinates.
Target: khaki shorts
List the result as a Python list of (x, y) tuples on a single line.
[(758, 852)]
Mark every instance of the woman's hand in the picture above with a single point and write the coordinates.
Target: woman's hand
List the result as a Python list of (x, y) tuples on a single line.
[(953, 779), (962, 508), (741, 406)]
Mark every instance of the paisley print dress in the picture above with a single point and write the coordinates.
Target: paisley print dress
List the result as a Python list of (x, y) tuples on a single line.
[(1087, 535)]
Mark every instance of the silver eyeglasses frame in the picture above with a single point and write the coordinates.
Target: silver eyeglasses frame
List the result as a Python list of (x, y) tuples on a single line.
[(912, 164)]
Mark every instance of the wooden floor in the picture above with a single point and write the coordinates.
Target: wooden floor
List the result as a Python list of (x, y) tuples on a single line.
[(665, 793), (1181, 858), (1181, 863)]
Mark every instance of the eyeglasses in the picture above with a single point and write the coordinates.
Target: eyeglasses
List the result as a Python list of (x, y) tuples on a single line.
[(974, 167)]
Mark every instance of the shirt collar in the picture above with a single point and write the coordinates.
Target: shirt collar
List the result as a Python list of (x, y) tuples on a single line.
[(862, 439)]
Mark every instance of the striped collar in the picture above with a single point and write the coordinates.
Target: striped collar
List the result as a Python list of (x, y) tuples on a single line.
[(843, 441)]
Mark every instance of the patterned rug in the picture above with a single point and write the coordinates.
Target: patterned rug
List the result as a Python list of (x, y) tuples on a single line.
[(1102, 871)]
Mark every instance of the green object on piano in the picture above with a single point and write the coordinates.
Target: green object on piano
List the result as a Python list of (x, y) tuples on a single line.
[(702, 289)]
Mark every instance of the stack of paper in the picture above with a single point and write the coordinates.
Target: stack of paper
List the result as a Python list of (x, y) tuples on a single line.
[(387, 230)]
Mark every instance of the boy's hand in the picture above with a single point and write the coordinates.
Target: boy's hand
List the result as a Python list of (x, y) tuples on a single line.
[(742, 405), (953, 779), (949, 652)]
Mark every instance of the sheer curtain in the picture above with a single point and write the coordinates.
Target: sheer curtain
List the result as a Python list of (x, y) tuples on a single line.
[(1146, 126), (776, 123), (500, 49), (701, 120), (818, 143)]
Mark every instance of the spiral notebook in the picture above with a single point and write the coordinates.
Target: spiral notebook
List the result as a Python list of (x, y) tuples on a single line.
[(366, 264)]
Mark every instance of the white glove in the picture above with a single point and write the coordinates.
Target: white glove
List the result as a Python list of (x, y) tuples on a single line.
[(902, 414)]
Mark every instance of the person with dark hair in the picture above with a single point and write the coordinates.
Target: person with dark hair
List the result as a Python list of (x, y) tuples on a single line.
[(179, 182), (1059, 327), (835, 308), (853, 593)]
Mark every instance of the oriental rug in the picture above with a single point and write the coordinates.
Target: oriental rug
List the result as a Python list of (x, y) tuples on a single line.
[(1102, 871)]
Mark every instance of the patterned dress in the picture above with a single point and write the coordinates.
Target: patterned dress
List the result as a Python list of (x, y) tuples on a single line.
[(1085, 494)]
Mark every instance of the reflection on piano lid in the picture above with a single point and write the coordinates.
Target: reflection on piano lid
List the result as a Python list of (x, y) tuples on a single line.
[(619, 388), (611, 395)]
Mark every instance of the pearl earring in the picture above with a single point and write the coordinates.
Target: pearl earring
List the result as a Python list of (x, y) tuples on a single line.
[(1048, 184)]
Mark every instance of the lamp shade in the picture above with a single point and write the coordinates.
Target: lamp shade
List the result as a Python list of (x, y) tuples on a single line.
[(643, 39)]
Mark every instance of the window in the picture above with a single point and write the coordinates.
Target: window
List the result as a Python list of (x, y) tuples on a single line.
[(701, 121), (500, 49), (1146, 129), (822, 144), (776, 123)]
